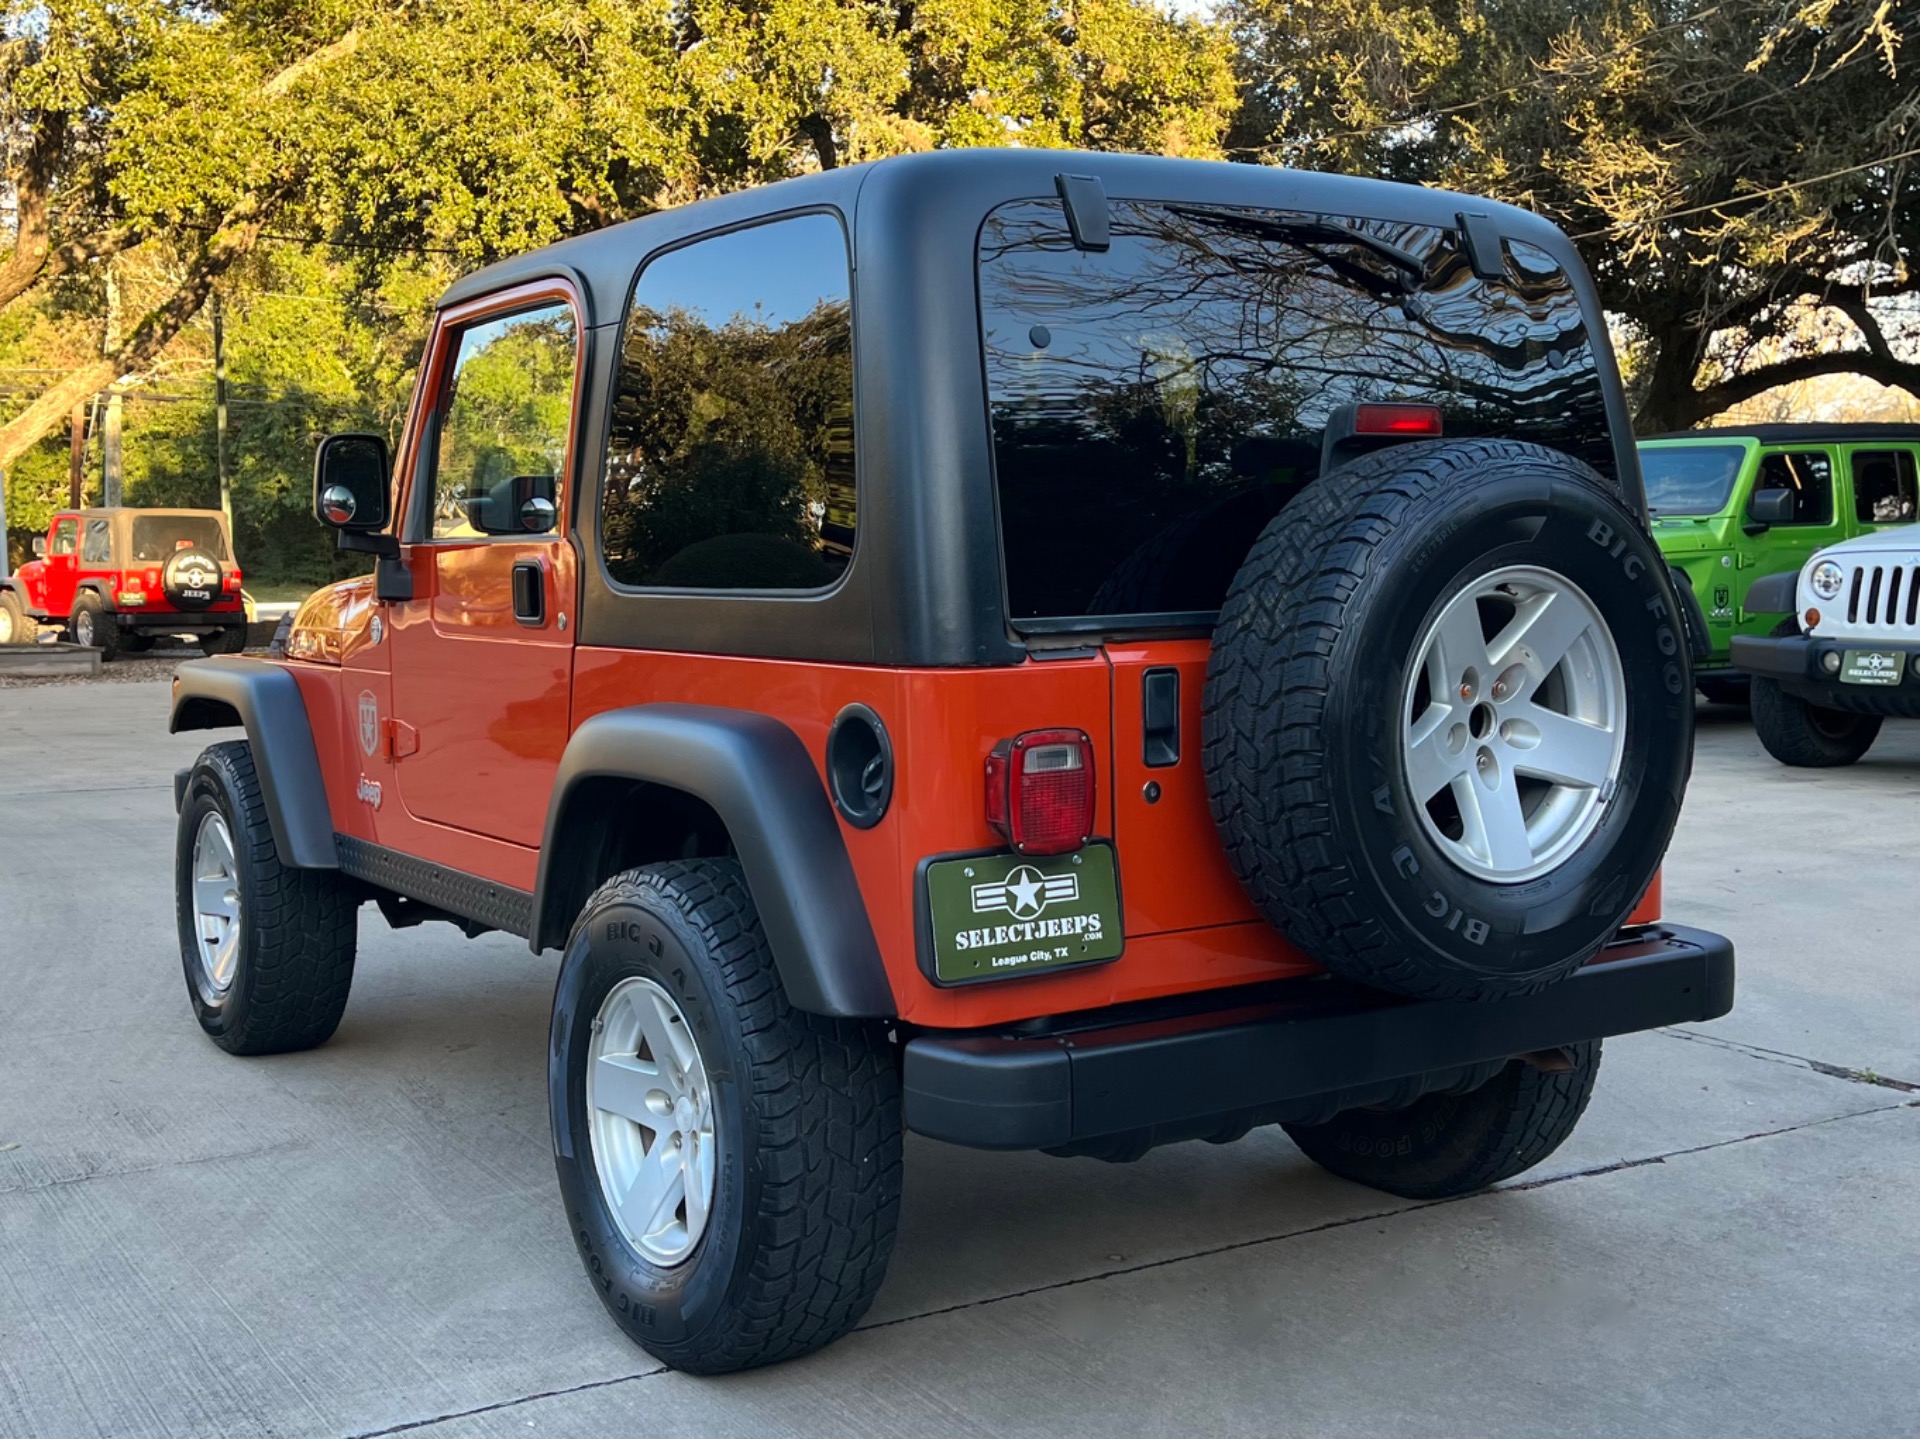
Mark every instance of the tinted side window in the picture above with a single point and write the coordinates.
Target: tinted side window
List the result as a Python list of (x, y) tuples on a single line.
[(730, 451), (66, 535), (1153, 405), (1885, 490), (1808, 474), (97, 548), (508, 413)]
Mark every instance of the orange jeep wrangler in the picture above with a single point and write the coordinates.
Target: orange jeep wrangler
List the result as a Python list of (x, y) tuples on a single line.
[(1057, 652)]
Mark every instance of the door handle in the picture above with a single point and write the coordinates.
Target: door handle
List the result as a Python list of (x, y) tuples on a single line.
[(1160, 717), (530, 592)]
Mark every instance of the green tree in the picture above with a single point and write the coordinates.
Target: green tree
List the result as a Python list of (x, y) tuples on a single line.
[(479, 128), (1728, 168)]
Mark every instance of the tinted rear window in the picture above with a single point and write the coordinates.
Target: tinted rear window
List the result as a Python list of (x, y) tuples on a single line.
[(156, 537), (1690, 479), (1155, 404)]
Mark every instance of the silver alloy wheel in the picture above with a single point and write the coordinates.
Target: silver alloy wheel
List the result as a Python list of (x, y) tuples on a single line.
[(6, 625), (83, 629), (1514, 723), (216, 909), (651, 1116)]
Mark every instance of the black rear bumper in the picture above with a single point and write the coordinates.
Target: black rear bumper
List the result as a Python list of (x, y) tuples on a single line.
[(1291, 1050)]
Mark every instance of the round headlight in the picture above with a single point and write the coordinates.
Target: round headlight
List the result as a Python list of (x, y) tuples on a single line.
[(1826, 579)]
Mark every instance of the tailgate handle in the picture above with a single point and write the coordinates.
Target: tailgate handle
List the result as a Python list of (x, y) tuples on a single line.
[(529, 592), (1160, 717)]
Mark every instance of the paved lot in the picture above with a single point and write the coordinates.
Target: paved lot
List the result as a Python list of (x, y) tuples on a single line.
[(364, 1240)]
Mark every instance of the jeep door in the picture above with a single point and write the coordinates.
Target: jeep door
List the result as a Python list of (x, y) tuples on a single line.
[(482, 655), (1810, 473), (60, 572)]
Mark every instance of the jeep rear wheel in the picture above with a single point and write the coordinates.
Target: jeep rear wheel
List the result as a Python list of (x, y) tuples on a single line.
[(93, 628), (1808, 736), (268, 951), (730, 1166), (1448, 719), (1447, 1144), (229, 641)]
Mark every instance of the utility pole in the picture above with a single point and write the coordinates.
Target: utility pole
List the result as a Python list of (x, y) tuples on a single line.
[(220, 410), (76, 454), (5, 567), (110, 468)]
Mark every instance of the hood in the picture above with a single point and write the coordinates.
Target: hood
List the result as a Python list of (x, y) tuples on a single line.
[(1902, 544), (332, 623)]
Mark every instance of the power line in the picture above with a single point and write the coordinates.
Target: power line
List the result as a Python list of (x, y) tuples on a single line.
[(1750, 197)]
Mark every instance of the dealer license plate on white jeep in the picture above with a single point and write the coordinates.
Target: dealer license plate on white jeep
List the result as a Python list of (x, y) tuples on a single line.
[(1870, 667), (999, 915)]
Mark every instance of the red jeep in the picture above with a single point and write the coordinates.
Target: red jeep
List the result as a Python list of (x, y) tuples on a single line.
[(1153, 649), (120, 578)]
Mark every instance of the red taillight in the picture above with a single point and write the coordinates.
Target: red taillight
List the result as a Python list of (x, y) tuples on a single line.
[(233, 579), (1040, 790), (1399, 421)]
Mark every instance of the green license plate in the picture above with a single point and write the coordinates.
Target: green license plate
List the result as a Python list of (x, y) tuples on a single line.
[(1000, 915), (1870, 667)]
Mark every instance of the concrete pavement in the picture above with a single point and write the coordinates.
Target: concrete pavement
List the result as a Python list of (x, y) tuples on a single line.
[(365, 1240)]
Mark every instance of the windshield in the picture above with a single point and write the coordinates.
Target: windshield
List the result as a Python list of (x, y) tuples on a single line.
[(155, 537), (1155, 403), (1690, 479)]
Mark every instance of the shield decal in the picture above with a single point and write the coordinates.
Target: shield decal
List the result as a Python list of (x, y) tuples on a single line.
[(369, 722)]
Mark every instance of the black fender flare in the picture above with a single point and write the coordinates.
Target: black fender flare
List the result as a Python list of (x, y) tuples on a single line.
[(1774, 594), (265, 700), (100, 588), (757, 777), (1693, 619)]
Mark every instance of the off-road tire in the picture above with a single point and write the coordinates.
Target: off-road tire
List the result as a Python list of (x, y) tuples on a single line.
[(90, 618), (1808, 736), (229, 641), (20, 627), (1302, 734), (806, 1119), (1443, 1144), (298, 926)]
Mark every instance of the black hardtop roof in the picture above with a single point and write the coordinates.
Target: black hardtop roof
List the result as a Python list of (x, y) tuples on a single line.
[(952, 180), (1806, 434)]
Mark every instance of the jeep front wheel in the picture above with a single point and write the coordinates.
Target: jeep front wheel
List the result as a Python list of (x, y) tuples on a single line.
[(730, 1166), (1444, 1144), (268, 950), (17, 627), (1808, 736), (1448, 719)]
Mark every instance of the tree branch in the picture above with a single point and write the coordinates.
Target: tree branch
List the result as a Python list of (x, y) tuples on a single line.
[(235, 237), (1723, 394), (34, 232)]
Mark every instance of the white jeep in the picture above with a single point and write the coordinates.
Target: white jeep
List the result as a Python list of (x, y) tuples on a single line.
[(1847, 657)]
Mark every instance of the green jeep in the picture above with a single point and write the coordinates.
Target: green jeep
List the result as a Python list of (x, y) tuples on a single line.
[(1732, 506)]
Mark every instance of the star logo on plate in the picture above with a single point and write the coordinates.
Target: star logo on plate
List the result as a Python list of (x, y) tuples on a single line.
[(1025, 892)]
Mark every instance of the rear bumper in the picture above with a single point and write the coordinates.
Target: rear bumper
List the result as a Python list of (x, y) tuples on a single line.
[(178, 621), (1283, 1051), (1797, 664)]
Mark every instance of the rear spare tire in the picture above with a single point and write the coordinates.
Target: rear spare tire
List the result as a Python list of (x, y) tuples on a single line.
[(190, 579), (1448, 718)]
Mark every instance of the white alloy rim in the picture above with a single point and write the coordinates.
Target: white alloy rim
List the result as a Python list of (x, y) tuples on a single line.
[(216, 908), (650, 1110), (1514, 723)]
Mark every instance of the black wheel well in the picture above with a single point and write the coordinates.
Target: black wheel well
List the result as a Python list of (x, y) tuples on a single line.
[(202, 712), (612, 823)]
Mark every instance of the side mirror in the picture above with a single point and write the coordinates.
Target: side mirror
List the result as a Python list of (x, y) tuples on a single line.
[(1769, 508), (351, 488), (39, 547), (523, 505)]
